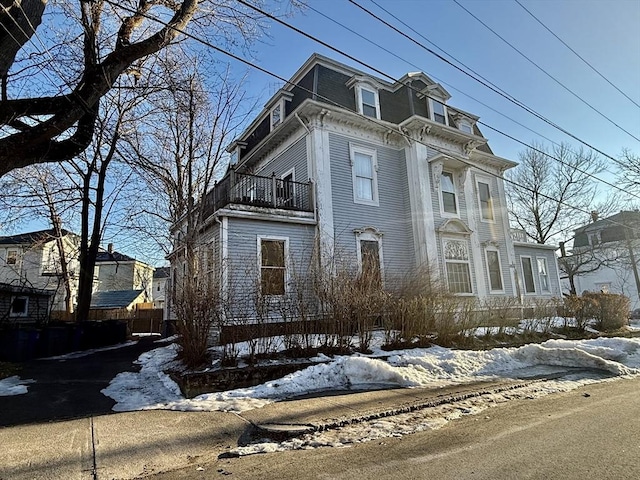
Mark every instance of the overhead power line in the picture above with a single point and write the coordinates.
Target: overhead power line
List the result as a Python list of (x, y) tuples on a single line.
[(379, 123), (479, 80), (393, 79), (545, 72), (591, 175), (576, 53)]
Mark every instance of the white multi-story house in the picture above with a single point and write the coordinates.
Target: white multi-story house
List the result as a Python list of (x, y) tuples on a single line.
[(343, 164), (32, 260), (606, 254)]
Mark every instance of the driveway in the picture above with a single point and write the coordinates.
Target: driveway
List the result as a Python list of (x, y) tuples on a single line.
[(69, 388)]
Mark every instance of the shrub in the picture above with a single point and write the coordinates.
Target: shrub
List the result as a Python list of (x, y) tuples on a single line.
[(610, 310)]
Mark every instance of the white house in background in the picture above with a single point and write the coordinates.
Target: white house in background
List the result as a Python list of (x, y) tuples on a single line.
[(388, 176), (614, 243), (160, 284), (33, 260)]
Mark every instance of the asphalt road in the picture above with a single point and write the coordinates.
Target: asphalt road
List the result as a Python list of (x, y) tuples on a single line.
[(590, 433), (70, 388)]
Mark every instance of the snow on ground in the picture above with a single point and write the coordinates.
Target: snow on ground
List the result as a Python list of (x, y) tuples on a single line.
[(151, 388), (572, 363), (13, 386)]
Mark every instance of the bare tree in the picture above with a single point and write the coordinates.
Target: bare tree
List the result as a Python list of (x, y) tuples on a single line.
[(42, 194), (549, 193), (629, 167), (99, 42)]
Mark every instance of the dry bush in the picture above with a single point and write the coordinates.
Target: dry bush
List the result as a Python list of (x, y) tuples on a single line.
[(580, 308), (197, 309), (415, 308), (610, 310), (499, 312)]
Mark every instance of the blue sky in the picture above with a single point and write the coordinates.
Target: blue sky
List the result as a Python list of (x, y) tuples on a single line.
[(605, 33)]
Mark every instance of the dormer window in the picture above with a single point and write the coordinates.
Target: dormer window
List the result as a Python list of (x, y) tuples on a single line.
[(438, 111), (276, 115), (366, 92), (368, 102), (276, 108), (465, 127)]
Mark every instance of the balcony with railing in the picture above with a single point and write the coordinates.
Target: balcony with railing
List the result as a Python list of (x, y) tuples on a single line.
[(257, 191)]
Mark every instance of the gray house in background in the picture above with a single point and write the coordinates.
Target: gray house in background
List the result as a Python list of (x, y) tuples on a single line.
[(344, 167)]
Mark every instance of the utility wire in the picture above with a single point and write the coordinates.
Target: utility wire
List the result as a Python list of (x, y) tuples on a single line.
[(576, 53), (375, 121), (479, 80), (545, 72), (384, 74), (589, 174)]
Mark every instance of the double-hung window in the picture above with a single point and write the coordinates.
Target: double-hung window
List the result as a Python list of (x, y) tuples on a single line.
[(465, 127), (494, 270), (272, 255), (456, 257), (368, 102), (438, 112), (543, 274), (448, 194), (276, 116), (527, 273), (365, 177), (485, 201)]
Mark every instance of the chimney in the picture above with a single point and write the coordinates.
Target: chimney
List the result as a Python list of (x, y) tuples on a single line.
[(110, 248), (594, 216)]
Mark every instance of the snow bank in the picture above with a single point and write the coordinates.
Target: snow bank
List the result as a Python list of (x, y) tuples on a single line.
[(13, 386), (151, 388)]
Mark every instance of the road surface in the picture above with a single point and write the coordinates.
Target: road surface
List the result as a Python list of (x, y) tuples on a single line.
[(589, 433)]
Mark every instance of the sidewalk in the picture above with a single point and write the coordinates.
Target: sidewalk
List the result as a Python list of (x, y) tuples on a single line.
[(137, 444)]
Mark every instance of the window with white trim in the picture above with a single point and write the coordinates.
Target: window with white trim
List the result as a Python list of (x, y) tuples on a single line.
[(438, 111), (448, 194), (369, 250), (272, 257), (365, 175), (19, 306), (527, 274), (543, 274), (12, 257), (276, 115), (485, 201), (368, 101), (494, 269), (465, 127), (456, 258)]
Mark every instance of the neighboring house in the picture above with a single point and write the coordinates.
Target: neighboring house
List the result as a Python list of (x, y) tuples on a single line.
[(160, 282), (116, 271), (21, 304), (341, 165), (610, 250), (33, 260)]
